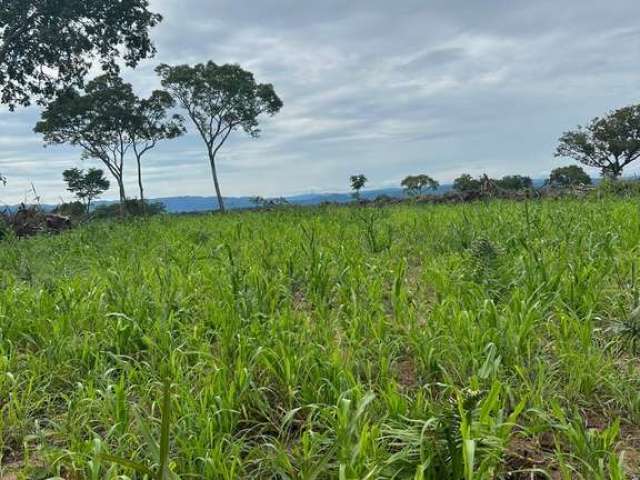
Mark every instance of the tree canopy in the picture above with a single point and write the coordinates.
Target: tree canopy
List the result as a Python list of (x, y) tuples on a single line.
[(414, 184), (46, 45), (514, 182), (86, 186), (466, 183), (219, 99), (357, 183), (609, 143), (569, 176), (98, 120), (150, 124)]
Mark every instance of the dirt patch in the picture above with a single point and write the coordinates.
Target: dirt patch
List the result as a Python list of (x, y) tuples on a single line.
[(406, 374), (527, 457)]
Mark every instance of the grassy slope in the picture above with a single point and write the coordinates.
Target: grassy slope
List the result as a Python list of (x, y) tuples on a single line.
[(324, 343)]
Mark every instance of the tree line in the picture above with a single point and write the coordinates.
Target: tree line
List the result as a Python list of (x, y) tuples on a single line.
[(609, 143), (416, 185)]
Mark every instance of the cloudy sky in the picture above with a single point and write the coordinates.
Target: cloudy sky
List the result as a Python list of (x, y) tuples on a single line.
[(384, 88)]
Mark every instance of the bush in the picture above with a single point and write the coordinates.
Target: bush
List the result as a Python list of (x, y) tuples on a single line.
[(623, 188), (133, 208), (4, 229), (74, 210), (569, 176)]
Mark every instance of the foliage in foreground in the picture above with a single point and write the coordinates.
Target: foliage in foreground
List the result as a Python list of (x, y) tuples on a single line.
[(421, 342)]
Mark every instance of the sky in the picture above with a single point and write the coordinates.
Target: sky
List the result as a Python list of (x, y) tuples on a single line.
[(388, 89)]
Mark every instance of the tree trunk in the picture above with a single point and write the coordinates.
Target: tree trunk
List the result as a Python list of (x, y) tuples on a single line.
[(214, 174), (142, 204), (123, 197)]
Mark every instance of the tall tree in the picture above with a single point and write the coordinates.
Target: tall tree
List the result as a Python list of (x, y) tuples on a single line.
[(86, 186), (98, 120), (150, 125), (609, 143), (46, 45), (414, 184), (219, 99), (357, 183)]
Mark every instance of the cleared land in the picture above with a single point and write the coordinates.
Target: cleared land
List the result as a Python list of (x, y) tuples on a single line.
[(435, 342)]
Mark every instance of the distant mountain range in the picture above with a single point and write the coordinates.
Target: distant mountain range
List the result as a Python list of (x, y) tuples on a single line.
[(186, 204)]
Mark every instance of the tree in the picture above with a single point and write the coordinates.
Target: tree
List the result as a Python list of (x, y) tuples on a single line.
[(47, 45), (466, 183), (219, 99), (515, 182), (357, 183), (86, 186), (569, 176), (150, 125), (609, 143), (98, 120), (414, 184)]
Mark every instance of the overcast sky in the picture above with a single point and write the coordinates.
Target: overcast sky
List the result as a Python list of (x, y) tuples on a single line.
[(376, 87)]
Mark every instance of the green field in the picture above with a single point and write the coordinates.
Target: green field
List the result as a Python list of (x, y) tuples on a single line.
[(408, 342)]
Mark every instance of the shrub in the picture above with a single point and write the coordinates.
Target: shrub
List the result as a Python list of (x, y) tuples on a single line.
[(132, 207), (74, 210), (622, 188)]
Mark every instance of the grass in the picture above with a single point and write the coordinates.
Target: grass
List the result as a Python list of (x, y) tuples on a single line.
[(474, 341)]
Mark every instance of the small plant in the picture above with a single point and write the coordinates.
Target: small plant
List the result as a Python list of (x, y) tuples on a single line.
[(628, 330), (377, 237), (157, 449), (588, 453)]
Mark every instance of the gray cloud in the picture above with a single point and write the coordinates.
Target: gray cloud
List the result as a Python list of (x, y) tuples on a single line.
[(435, 86)]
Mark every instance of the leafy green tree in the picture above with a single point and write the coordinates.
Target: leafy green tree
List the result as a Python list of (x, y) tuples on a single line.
[(46, 45), (219, 99), (151, 124), (414, 184), (99, 120), (86, 186), (609, 143), (514, 182), (466, 183), (357, 183), (569, 176)]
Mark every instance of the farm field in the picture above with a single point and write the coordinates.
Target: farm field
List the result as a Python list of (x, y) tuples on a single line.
[(473, 341)]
